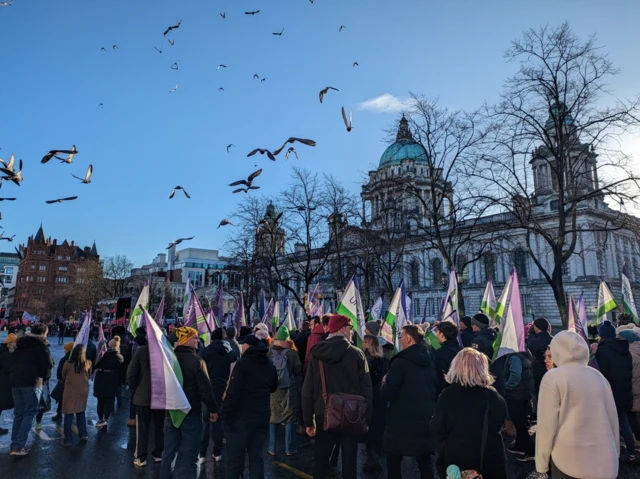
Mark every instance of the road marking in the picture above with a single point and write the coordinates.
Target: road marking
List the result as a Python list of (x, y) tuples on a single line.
[(43, 435), (297, 472)]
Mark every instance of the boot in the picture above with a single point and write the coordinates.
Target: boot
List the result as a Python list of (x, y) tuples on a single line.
[(372, 463)]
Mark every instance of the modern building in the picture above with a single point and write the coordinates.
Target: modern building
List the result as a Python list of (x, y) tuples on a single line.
[(9, 265), (47, 268)]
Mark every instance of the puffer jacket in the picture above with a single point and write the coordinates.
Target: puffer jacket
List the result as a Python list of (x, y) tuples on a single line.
[(107, 381), (614, 360), (6, 360), (518, 364), (32, 362), (483, 341), (634, 349)]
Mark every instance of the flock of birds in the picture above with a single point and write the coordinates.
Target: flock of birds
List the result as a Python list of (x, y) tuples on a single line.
[(245, 185)]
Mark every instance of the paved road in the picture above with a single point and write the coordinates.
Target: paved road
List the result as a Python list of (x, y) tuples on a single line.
[(110, 453)]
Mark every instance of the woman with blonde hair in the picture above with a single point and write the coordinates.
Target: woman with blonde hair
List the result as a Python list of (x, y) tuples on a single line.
[(75, 374), (468, 418)]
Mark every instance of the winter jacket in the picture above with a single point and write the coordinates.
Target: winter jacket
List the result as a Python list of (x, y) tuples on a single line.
[(76, 389), (410, 382), (195, 381), (483, 341), (518, 377), (577, 417), (125, 352), (457, 426), (32, 362), (139, 373), (346, 371), (284, 401), (467, 337), (387, 348), (235, 347), (537, 346), (634, 349), (107, 381), (614, 360), (248, 393), (316, 336), (6, 361), (301, 342), (442, 359), (378, 369), (219, 356), (91, 353), (63, 360)]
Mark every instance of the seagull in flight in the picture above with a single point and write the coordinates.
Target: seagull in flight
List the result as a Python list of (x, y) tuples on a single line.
[(221, 66), (252, 13), (115, 47), (220, 89), (248, 182), (348, 124), (262, 152), (179, 188), (278, 34), (173, 27), (60, 200), (174, 88), (178, 241), (292, 140), (325, 90), (6, 4), (225, 222), (223, 15), (289, 151), (54, 153), (11, 165), (356, 64), (341, 28), (7, 199), (229, 146), (15, 176), (103, 49), (87, 176), (174, 66), (171, 42), (10, 239), (158, 50)]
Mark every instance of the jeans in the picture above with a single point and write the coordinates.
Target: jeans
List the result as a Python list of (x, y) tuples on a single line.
[(626, 432), (25, 408), (394, 466), (81, 422), (105, 407), (245, 436), (518, 415), (289, 437), (325, 444), (190, 431), (143, 420), (215, 430)]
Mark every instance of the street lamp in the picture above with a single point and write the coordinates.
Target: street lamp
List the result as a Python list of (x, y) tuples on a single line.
[(443, 279)]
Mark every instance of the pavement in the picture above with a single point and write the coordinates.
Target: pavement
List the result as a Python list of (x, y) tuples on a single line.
[(109, 453)]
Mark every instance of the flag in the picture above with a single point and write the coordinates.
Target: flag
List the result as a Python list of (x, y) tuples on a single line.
[(350, 305), (450, 306), (511, 335), (198, 319), (571, 323), (261, 308), (166, 376), (606, 302), (395, 319), (83, 335), (160, 313), (488, 304), (186, 301), (240, 312), (274, 321), (212, 321), (376, 310), (220, 301), (136, 320), (409, 302), (268, 314), (628, 304), (28, 317), (289, 321), (312, 302), (582, 329)]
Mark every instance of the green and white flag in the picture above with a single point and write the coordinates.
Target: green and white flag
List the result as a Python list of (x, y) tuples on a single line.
[(350, 305), (511, 334), (186, 301), (395, 320), (606, 302), (628, 304), (289, 322), (136, 316), (488, 304)]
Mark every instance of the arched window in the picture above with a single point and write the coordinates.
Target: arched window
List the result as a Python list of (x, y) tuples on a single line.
[(415, 273), (521, 262), (436, 271), (490, 263)]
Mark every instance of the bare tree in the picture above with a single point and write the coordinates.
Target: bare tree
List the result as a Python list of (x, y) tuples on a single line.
[(555, 113), (117, 270)]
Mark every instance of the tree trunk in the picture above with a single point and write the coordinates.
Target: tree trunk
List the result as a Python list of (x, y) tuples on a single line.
[(558, 293)]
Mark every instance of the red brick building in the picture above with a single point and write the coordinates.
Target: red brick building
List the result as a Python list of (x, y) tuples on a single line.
[(45, 269)]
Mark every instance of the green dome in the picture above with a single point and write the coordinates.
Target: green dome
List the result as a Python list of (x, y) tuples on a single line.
[(404, 147)]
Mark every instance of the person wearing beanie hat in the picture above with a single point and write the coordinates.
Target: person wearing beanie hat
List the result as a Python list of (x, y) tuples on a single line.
[(479, 321), (537, 344), (616, 365), (542, 325), (484, 335), (466, 333), (185, 334), (11, 338), (68, 347), (347, 371), (372, 328), (6, 360), (284, 401), (106, 386), (246, 407)]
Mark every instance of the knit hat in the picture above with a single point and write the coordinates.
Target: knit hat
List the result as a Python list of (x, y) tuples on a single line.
[(261, 326), (542, 324), (283, 334), (481, 320), (142, 331), (337, 322), (466, 320), (607, 331), (630, 335), (219, 333), (114, 343), (11, 338), (68, 347), (185, 334), (261, 334), (373, 327), (253, 340)]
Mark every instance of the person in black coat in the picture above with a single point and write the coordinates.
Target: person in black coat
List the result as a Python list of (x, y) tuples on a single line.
[(409, 388), (484, 335), (518, 389), (106, 386), (459, 419), (6, 360), (616, 365), (232, 332), (537, 343), (466, 332), (302, 339), (447, 334), (68, 347), (378, 369)]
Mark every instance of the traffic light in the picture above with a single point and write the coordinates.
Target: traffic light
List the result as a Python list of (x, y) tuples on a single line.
[(3, 311), (126, 313)]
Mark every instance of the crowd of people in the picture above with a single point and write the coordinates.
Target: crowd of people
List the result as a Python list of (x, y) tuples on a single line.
[(455, 402)]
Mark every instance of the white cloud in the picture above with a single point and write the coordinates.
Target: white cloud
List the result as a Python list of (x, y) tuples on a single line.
[(385, 103)]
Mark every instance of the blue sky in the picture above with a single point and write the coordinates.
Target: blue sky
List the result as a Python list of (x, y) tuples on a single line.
[(145, 140)]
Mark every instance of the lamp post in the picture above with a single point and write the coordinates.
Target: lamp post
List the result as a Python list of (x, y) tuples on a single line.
[(443, 280)]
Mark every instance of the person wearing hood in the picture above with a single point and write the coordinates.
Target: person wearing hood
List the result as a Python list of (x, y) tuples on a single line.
[(633, 336), (616, 365), (246, 408), (346, 372), (373, 328), (219, 357), (6, 360), (284, 401), (447, 334), (574, 439), (466, 331), (232, 332), (537, 343), (139, 380), (317, 335), (410, 381), (31, 368), (107, 381)]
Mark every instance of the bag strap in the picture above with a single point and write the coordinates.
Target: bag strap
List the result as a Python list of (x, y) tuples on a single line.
[(485, 431), (322, 381)]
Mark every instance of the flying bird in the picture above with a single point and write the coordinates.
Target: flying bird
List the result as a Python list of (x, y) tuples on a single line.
[(221, 66), (103, 49), (225, 222), (54, 153), (220, 89), (304, 141), (174, 88), (115, 47), (179, 188), (341, 28), (174, 66), (289, 151), (171, 42), (252, 13), (100, 105), (348, 124), (7, 199), (279, 34), (223, 15), (324, 91), (173, 27), (6, 4), (60, 200), (87, 176), (158, 50), (229, 146), (178, 241), (249, 181), (9, 166), (15, 176), (262, 152), (356, 64), (246, 190), (10, 239)]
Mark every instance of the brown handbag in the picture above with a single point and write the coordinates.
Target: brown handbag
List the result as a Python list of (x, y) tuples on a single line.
[(346, 413)]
